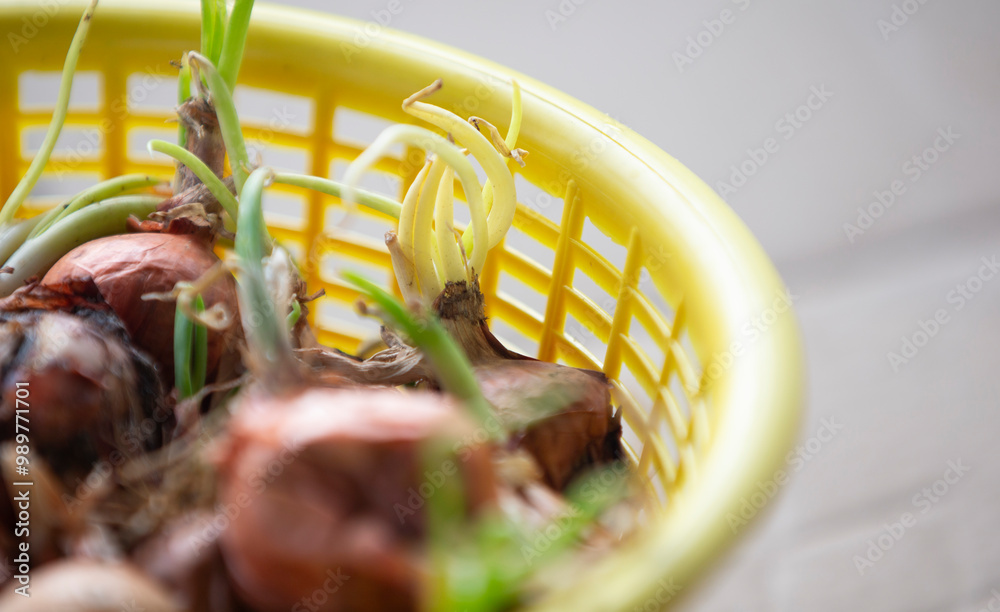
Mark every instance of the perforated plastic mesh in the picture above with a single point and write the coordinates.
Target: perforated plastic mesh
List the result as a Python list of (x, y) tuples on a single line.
[(590, 309)]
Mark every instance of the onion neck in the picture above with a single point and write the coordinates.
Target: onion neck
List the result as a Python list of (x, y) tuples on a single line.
[(270, 354), (462, 309)]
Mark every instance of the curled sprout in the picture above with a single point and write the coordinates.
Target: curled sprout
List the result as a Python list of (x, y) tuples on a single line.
[(451, 154), (501, 214), (499, 143), (509, 142), (426, 250)]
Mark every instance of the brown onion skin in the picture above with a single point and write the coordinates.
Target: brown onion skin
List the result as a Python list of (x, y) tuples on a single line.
[(8, 543), (348, 460), (561, 415), (126, 267), (82, 585), (184, 557), (89, 391)]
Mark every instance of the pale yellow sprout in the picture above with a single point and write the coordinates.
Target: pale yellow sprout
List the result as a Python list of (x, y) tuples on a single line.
[(452, 266), (502, 213), (429, 141), (423, 248)]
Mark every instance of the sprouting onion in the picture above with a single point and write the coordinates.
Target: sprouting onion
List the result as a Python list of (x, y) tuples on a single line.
[(561, 416), (430, 336)]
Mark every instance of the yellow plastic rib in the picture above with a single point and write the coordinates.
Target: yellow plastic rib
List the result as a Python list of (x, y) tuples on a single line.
[(623, 307), (10, 163), (320, 146), (562, 272)]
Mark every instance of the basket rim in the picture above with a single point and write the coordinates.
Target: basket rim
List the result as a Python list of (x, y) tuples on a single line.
[(762, 394)]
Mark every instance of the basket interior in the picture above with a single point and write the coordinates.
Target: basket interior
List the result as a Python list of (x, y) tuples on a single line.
[(559, 288)]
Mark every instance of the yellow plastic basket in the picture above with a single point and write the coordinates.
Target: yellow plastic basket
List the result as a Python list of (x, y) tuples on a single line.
[(706, 358)]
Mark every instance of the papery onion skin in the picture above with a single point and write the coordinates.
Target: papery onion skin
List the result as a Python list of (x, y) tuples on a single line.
[(91, 394), (126, 267), (184, 557), (80, 585), (561, 415), (342, 496), (8, 544), (204, 140)]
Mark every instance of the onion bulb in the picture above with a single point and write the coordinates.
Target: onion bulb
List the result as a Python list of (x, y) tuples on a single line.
[(333, 481), (90, 392), (184, 557), (562, 416), (125, 268), (81, 585)]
